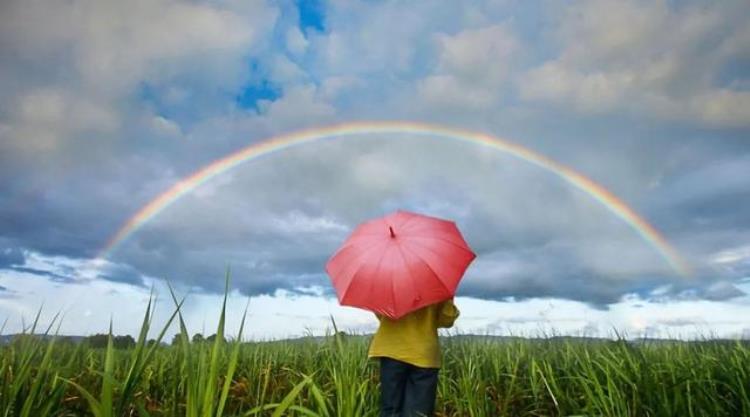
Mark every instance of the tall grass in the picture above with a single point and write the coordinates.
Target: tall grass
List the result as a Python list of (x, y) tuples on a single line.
[(331, 376)]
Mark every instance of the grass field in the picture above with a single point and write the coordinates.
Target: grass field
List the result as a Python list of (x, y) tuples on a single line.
[(332, 377)]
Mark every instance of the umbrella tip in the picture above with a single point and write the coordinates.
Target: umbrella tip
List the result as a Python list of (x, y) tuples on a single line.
[(391, 229)]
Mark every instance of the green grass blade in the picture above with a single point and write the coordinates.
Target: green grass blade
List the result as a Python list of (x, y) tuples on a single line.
[(94, 404), (290, 397), (232, 365)]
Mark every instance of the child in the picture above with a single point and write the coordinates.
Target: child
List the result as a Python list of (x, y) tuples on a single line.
[(410, 359)]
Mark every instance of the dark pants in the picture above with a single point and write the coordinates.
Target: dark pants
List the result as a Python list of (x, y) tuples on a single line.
[(406, 390)]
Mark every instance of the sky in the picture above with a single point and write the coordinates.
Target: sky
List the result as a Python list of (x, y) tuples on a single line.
[(108, 104)]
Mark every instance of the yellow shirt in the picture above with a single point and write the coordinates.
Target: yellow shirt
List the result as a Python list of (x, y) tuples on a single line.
[(413, 338)]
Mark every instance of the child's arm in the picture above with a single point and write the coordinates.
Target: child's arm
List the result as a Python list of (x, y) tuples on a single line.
[(447, 314)]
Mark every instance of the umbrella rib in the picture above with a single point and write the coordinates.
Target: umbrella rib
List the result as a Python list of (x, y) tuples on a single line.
[(380, 262), (411, 277), (365, 252), (439, 255), (353, 244), (430, 268), (393, 292), (349, 284), (441, 239), (404, 224), (428, 225)]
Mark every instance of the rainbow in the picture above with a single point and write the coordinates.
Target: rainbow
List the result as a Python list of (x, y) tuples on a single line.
[(281, 142)]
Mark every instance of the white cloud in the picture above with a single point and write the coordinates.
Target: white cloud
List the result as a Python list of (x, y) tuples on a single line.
[(618, 55), (87, 308), (299, 222), (299, 106), (120, 43), (722, 107), (732, 256), (44, 116), (296, 41), (377, 172), (472, 67), (365, 41), (83, 62), (477, 55), (592, 93), (114, 44), (332, 87), (285, 72), (447, 91), (165, 126)]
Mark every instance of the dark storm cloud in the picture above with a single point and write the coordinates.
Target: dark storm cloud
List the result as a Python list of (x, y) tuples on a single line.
[(122, 273), (14, 259), (199, 254), (680, 322), (44, 273), (7, 293), (69, 219), (262, 224), (709, 194), (11, 257), (722, 291), (551, 271), (718, 290)]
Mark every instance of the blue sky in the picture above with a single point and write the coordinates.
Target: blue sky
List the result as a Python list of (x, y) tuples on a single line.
[(106, 106)]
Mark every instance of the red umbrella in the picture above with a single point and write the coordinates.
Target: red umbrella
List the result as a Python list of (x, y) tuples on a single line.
[(399, 263)]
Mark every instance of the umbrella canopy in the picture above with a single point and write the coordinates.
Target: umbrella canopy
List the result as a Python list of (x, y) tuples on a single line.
[(399, 263)]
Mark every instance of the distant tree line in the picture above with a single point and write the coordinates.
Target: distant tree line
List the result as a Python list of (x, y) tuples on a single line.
[(197, 338), (99, 340), (93, 341), (118, 342)]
